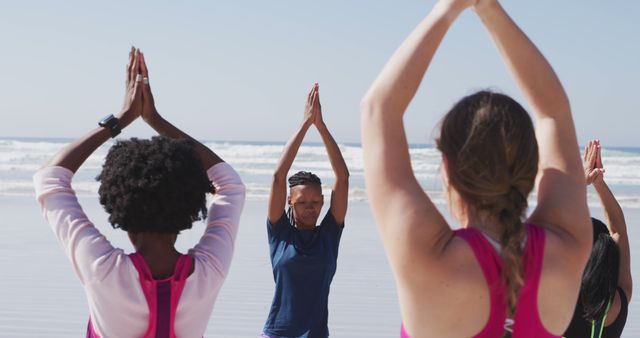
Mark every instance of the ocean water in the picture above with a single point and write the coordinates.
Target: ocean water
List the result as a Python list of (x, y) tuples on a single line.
[(255, 161), (41, 297)]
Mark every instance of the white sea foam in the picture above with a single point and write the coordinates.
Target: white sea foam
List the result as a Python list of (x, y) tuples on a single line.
[(255, 162)]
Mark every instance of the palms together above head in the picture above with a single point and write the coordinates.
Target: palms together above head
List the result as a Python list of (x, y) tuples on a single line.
[(312, 108), (133, 94), (592, 160), (317, 107), (148, 104)]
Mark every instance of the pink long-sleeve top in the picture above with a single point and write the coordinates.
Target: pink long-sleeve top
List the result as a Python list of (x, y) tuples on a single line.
[(117, 304)]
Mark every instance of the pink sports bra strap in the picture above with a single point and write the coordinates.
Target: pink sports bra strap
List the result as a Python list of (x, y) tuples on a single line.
[(151, 287), (489, 260), (527, 318), (527, 323), (491, 264), (183, 268)]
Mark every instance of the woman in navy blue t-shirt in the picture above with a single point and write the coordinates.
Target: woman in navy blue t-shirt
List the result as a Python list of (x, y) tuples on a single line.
[(303, 255)]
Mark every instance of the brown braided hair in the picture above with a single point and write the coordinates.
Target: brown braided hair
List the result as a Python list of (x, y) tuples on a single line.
[(489, 143)]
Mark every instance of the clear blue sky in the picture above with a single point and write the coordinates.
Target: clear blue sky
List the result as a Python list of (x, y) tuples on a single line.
[(240, 70)]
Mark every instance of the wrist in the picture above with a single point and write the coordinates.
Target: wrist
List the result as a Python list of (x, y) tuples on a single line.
[(154, 117), (485, 11), (125, 117), (449, 10), (306, 124), (112, 124), (599, 185)]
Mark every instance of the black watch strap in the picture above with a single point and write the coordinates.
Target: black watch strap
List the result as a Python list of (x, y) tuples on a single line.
[(110, 122)]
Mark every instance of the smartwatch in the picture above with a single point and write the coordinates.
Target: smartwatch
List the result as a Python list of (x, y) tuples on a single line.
[(110, 122)]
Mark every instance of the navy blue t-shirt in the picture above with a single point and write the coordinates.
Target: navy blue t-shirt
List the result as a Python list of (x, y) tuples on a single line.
[(303, 262)]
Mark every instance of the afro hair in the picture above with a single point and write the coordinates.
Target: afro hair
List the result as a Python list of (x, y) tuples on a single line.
[(156, 185)]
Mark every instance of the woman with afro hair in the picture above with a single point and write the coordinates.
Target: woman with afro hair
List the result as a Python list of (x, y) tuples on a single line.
[(152, 189), (303, 255)]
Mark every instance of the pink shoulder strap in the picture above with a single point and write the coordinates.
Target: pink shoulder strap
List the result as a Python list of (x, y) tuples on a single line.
[(150, 289), (527, 323), (527, 318), (491, 264)]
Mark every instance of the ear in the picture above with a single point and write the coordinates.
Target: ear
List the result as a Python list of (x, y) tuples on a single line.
[(289, 201)]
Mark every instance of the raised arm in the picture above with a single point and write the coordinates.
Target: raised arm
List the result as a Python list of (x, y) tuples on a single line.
[(90, 253), (278, 194), (74, 154), (340, 190), (165, 128), (561, 191), (405, 215), (615, 220)]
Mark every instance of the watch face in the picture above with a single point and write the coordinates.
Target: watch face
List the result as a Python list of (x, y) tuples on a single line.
[(108, 121)]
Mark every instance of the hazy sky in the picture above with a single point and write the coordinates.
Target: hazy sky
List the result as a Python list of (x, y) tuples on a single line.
[(240, 70)]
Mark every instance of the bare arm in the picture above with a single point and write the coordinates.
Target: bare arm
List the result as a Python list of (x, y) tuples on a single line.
[(165, 128), (340, 191), (91, 255), (278, 194), (74, 155), (618, 230), (562, 203), (615, 217), (406, 217)]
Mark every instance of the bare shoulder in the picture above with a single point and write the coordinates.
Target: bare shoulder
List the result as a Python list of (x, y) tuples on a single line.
[(445, 290)]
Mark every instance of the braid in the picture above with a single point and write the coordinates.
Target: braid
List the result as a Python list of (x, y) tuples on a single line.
[(303, 178), (292, 220), (512, 236)]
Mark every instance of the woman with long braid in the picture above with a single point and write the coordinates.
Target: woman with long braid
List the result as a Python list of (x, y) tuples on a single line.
[(303, 255), (499, 275)]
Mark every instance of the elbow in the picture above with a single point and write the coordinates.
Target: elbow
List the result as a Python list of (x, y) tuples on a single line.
[(344, 176), (342, 180), (242, 188), (279, 177), (368, 105), (376, 110)]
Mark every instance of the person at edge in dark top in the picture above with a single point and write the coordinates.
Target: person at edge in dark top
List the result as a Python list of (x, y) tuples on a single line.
[(601, 310)]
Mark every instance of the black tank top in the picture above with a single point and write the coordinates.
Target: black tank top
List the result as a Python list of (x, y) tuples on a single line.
[(580, 328)]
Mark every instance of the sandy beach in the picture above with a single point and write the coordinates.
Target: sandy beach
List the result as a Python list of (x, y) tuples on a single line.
[(41, 297)]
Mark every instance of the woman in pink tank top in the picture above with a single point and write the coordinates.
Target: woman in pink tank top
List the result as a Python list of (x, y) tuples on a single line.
[(152, 189), (499, 275)]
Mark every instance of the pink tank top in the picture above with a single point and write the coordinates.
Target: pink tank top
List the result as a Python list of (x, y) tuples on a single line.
[(526, 322), (162, 296)]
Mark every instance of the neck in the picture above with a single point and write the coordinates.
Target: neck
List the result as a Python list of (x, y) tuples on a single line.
[(481, 221), (158, 250), (305, 226)]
